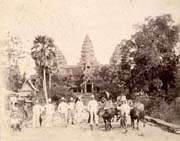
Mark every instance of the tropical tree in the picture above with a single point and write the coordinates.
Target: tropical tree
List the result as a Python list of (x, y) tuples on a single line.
[(43, 52), (154, 56)]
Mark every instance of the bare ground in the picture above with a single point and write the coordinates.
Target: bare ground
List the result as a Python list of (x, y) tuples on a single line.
[(81, 132)]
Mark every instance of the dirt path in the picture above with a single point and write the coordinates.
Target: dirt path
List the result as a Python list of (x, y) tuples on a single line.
[(81, 132)]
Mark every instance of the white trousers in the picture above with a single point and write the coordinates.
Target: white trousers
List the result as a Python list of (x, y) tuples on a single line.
[(93, 118), (36, 122), (49, 120), (79, 116)]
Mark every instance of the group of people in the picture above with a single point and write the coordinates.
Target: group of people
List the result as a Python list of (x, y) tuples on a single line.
[(69, 112), (72, 111)]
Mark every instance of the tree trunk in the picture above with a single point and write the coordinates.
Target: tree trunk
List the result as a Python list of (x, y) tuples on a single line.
[(49, 81), (44, 85)]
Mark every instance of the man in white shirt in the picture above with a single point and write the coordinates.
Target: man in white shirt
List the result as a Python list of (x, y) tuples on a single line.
[(49, 107), (36, 114), (79, 107), (93, 109), (71, 108), (63, 110), (125, 109)]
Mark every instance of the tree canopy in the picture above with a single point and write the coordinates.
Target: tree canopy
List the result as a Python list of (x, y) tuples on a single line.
[(148, 58)]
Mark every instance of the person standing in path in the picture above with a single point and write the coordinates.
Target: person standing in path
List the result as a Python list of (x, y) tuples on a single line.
[(93, 109), (49, 107), (71, 109), (124, 109), (15, 118), (79, 107), (63, 110), (36, 114)]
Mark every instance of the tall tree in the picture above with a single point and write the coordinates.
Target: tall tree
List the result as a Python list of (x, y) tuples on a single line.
[(155, 56), (43, 52)]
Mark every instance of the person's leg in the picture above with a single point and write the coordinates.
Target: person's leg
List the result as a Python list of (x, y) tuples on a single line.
[(48, 120), (91, 120), (34, 120), (52, 119), (18, 127), (72, 117), (69, 117), (79, 116), (89, 117), (40, 120), (96, 118), (65, 118), (62, 119)]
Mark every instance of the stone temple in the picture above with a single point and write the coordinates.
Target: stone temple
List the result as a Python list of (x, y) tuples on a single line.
[(84, 72)]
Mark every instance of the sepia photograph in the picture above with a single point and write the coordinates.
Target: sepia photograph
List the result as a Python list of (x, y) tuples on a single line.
[(90, 70)]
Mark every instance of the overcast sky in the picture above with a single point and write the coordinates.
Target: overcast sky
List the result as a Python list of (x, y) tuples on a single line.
[(106, 22)]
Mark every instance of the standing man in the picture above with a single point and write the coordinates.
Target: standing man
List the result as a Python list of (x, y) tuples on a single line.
[(79, 110), (36, 114), (15, 118), (71, 108), (63, 110), (125, 110), (49, 107), (93, 109)]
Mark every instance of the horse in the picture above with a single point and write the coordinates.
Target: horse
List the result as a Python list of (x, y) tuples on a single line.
[(137, 113)]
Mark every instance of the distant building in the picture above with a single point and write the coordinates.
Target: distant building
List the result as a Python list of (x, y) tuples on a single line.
[(27, 89)]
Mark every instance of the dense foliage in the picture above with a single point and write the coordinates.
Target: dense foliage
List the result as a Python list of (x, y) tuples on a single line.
[(148, 59)]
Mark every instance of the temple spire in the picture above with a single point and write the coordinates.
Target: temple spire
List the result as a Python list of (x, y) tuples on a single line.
[(87, 52), (61, 60), (116, 56)]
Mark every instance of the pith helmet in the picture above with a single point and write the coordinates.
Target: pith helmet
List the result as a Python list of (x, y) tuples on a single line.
[(62, 98), (92, 96), (49, 99)]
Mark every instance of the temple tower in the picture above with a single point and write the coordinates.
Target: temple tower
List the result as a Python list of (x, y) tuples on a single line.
[(87, 53), (88, 61), (116, 56), (61, 61)]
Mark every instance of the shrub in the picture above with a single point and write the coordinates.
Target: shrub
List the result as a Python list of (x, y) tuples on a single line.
[(169, 112), (57, 92)]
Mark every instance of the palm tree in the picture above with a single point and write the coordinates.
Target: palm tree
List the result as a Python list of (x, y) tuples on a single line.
[(43, 52)]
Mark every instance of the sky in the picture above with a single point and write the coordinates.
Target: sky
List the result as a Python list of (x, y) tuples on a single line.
[(107, 22)]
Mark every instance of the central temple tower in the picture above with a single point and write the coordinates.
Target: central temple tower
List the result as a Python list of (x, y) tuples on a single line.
[(87, 53), (89, 63)]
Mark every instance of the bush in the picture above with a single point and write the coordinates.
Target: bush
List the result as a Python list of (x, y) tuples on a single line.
[(159, 108), (57, 92)]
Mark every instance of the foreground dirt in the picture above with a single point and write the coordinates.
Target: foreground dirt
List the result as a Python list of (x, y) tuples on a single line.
[(81, 132)]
